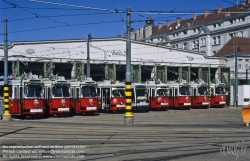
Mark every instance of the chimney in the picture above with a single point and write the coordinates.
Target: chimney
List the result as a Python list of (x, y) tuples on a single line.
[(194, 16), (219, 8), (119, 35), (178, 20), (168, 23), (227, 14), (206, 11), (159, 25), (125, 35)]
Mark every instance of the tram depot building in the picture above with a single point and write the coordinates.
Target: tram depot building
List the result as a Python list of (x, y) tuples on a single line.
[(108, 59)]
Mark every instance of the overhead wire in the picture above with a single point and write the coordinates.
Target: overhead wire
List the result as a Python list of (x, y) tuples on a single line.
[(76, 6), (37, 15)]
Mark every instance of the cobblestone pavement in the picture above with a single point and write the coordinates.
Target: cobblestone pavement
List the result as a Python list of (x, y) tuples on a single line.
[(185, 135)]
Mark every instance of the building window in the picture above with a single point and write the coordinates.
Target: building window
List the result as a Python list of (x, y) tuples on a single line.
[(242, 19), (214, 52), (232, 21), (185, 46), (194, 30), (240, 63), (241, 34), (232, 35), (247, 65), (216, 25), (216, 40), (185, 32), (195, 44), (203, 42)]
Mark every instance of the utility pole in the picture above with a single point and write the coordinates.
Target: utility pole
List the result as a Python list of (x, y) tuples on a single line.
[(6, 114), (88, 59), (236, 78), (128, 118)]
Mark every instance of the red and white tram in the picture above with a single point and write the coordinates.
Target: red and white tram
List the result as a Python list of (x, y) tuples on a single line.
[(140, 100), (200, 94), (85, 98), (26, 95), (112, 94), (158, 95), (57, 95), (217, 94), (180, 94)]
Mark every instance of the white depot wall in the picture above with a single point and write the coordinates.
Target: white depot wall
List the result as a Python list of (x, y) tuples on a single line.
[(109, 51)]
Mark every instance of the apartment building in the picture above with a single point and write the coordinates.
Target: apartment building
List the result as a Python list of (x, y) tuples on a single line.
[(207, 32)]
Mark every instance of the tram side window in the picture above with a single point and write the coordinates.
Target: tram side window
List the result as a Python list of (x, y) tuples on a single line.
[(49, 93), (153, 92), (176, 92), (15, 92), (77, 93), (133, 95), (98, 91)]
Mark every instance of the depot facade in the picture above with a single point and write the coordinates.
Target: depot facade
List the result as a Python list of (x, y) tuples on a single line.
[(108, 58)]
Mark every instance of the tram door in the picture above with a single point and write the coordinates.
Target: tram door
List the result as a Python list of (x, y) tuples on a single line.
[(105, 96)]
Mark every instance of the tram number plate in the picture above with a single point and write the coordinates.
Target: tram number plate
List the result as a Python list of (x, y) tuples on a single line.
[(205, 103), (222, 102), (63, 109), (36, 110), (187, 104), (91, 108), (164, 104), (120, 105)]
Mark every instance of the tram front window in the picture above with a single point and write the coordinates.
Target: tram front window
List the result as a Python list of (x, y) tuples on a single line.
[(88, 91), (33, 91), (118, 93), (184, 91), (60, 91), (219, 90), (202, 90), (162, 92)]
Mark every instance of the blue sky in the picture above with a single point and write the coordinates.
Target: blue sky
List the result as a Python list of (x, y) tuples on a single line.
[(31, 20)]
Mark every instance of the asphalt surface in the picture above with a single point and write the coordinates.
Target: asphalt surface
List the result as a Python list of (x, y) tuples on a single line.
[(183, 135)]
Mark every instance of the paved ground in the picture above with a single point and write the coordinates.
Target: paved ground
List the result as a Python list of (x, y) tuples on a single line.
[(183, 135)]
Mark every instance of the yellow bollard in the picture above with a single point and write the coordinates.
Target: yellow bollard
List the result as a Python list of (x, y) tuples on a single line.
[(6, 114)]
